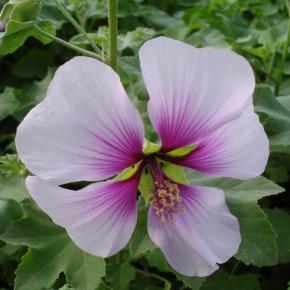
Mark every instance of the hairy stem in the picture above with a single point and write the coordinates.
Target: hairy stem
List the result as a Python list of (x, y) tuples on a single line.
[(113, 31), (76, 25), (69, 45)]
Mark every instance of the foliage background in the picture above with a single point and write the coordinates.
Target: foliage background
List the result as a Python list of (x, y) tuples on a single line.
[(35, 254)]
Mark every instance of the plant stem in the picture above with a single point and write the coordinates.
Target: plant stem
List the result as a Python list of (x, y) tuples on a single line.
[(113, 31), (167, 284), (76, 25), (69, 45), (235, 267), (284, 54)]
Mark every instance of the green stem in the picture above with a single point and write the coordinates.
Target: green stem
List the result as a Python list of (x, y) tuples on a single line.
[(284, 55), (167, 284), (271, 63), (113, 31), (76, 25), (235, 267), (69, 45)]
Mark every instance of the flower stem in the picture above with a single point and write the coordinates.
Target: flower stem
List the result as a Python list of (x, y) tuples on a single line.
[(113, 30), (69, 45), (76, 25), (167, 284), (284, 54)]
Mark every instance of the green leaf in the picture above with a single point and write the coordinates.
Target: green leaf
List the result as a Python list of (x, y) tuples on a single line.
[(10, 211), (8, 103), (258, 245), (281, 223), (193, 283), (179, 152), (277, 121), (33, 64), (120, 276), (18, 32), (51, 252), (26, 10), (140, 242), (221, 280), (13, 188), (156, 259)]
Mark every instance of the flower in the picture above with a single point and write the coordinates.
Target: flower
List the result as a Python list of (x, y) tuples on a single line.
[(87, 129)]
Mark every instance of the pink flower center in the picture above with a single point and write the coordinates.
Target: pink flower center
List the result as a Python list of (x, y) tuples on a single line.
[(166, 200)]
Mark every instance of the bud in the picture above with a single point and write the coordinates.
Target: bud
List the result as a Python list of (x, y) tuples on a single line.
[(2, 26)]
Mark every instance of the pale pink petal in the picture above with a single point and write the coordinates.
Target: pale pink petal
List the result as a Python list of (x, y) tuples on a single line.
[(85, 129), (239, 149), (193, 91), (205, 235), (99, 218)]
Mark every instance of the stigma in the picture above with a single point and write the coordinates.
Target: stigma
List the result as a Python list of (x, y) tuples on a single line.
[(166, 200)]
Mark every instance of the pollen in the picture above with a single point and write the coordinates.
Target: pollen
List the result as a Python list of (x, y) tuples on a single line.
[(166, 201)]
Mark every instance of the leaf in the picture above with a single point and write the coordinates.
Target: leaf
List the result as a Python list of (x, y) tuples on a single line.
[(140, 242), (10, 211), (17, 33), (33, 64), (281, 223), (51, 252), (156, 259), (277, 122), (179, 152), (221, 280), (258, 245), (25, 10), (8, 103), (13, 188), (120, 276), (193, 283)]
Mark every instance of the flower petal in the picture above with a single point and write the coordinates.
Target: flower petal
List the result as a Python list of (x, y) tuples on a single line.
[(99, 218), (193, 91), (239, 149), (85, 129), (205, 234)]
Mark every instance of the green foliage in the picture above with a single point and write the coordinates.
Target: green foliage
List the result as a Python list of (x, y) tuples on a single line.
[(36, 254), (50, 253), (120, 276), (223, 281), (258, 246), (281, 223)]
